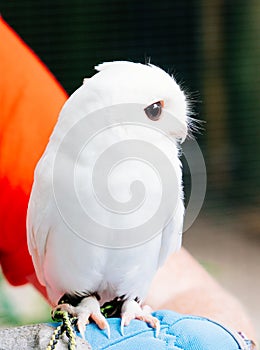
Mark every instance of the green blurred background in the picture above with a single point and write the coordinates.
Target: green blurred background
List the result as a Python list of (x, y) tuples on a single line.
[(213, 50)]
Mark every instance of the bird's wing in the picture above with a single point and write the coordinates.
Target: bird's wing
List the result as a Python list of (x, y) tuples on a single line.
[(39, 206), (172, 235)]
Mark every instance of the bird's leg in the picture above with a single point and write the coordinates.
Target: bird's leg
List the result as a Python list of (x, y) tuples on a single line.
[(87, 309), (131, 310)]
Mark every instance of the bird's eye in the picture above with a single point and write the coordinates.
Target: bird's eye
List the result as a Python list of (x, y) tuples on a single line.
[(154, 111)]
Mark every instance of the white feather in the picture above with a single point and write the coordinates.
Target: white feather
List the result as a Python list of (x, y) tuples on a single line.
[(63, 261)]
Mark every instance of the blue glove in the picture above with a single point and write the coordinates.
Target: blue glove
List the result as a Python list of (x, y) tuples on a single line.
[(178, 332)]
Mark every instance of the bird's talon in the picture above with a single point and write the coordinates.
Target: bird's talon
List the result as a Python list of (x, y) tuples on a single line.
[(122, 325), (157, 329), (81, 327), (108, 330), (132, 310)]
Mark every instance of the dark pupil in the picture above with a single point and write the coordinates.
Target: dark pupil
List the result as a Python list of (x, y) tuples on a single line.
[(154, 110)]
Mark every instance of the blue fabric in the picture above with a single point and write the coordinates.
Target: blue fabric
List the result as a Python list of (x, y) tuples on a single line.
[(178, 332)]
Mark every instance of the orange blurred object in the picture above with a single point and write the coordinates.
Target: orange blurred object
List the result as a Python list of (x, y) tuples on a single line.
[(30, 100)]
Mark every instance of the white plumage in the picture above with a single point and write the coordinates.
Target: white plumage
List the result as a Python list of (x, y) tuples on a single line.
[(64, 262)]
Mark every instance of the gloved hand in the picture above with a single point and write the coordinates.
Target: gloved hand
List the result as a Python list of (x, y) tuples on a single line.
[(178, 332)]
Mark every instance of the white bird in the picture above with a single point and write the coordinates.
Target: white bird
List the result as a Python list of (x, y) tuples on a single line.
[(139, 108)]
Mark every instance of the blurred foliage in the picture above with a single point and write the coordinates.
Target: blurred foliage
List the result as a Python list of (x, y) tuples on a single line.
[(19, 306), (242, 71), (8, 314)]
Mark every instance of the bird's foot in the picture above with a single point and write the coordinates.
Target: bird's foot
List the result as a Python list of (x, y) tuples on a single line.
[(87, 309), (131, 310)]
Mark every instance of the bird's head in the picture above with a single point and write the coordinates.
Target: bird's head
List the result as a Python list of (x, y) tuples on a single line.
[(123, 82)]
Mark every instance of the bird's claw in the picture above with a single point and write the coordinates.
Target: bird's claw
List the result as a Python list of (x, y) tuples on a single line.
[(104, 325), (108, 330), (87, 309), (155, 323), (157, 328), (132, 310), (122, 324), (81, 327)]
